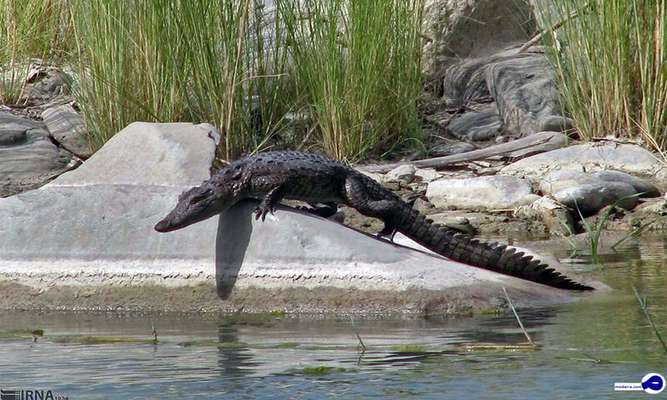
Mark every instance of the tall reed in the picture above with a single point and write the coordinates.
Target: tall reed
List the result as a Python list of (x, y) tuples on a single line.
[(30, 29), (177, 60), (610, 58), (356, 66)]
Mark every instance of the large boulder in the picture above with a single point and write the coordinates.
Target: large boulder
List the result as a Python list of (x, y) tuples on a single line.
[(28, 158), (525, 93), (68, 128), (458, 29), (86, 241), (522, 89), (480, 193), (590, 157)]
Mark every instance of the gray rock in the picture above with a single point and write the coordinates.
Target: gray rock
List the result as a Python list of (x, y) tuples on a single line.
[(486, 192), (476, 126), (556, 123), (455, 222), (590, 157), (149, 154), (460, 29), (590, 197), (92, 229), (423, 206), (526, 95), (427, 174), (43, 84), (68, 128), (555, 216), (640, 185), (591, 192), (28, 159), (526, 99), (403, 173), (558, 180), (12, 134)]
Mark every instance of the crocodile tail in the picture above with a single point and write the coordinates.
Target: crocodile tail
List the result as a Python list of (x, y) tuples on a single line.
[(492, 256)]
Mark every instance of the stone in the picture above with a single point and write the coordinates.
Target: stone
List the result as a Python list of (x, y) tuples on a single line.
[(427, 174), (646, 189), (28, 159), (12, 134), (555, 216), (558, 180), (486, 192), (43, 84), (149, 154), (403, 173), (589, 198), (476, 126), (521, 85), (68, 128), (590, 157), (455, 222), (422, 205), (91, 231), (458, 29), (526, 95)]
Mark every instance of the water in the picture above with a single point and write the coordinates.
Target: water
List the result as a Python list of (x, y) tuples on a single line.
[(585, 348)]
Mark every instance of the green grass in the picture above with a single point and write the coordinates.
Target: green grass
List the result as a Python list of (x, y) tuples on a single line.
[(610, 66), (353, 68), (30, 29), (321, 370), (356, 68), (409, 348)]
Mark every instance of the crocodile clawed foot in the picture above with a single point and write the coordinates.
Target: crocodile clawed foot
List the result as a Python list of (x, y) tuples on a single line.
[(388, 232), (260, 212)]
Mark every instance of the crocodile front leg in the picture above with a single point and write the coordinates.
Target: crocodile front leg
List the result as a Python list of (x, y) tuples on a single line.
[(269, 202)]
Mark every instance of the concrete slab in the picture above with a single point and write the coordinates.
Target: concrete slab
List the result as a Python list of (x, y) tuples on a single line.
[(86, 242)]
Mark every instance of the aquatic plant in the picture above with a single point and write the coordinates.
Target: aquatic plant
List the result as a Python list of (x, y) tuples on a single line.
[(643, 304)]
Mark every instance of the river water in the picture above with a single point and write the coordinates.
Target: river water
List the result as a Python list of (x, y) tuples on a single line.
[(583, 349)]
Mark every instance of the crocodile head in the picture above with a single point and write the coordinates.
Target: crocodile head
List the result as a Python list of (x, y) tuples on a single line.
[(205, 201)]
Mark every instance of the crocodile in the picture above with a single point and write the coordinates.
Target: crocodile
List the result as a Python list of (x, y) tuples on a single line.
[(275, 175)]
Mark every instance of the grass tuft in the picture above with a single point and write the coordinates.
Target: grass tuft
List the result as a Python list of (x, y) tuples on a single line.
[(610, 57)]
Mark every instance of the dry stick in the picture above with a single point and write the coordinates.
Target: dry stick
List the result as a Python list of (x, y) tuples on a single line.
[(525, 332), (495, 150), (642, 305), (552, 28), (356, 332), (154, 332)]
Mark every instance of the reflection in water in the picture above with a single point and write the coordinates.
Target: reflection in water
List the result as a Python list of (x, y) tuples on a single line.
[(234, 357), (585, 347)]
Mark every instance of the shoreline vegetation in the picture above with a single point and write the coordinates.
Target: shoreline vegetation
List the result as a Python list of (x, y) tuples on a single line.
[(340, 77)]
